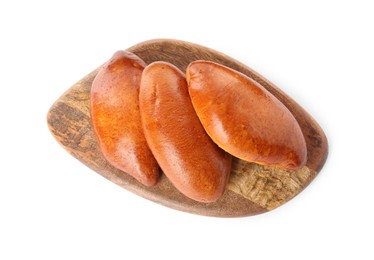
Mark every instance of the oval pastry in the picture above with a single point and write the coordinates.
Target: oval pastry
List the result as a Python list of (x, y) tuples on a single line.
[(195, 165), (116, 117), (243, 118)]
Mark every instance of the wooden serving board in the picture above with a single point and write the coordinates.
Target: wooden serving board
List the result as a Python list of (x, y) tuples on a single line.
[(252, 189)]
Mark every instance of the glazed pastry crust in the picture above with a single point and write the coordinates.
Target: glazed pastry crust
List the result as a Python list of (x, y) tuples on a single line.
[(243, 118), (116, 117), (195, 165)]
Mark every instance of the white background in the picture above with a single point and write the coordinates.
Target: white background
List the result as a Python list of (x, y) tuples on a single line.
[(53, 207)]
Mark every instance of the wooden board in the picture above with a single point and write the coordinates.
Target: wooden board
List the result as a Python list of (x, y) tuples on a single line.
[(252, 189)]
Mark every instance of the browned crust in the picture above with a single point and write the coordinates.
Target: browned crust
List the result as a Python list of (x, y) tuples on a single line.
[(69, 122)]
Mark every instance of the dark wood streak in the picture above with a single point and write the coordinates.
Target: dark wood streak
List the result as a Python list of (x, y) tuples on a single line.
[(69, 122)]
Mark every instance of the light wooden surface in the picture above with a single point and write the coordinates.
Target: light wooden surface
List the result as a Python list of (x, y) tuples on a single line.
[(252, 188)]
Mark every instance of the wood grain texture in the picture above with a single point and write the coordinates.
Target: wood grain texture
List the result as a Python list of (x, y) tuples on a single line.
[(268, 186), (252, 189)]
